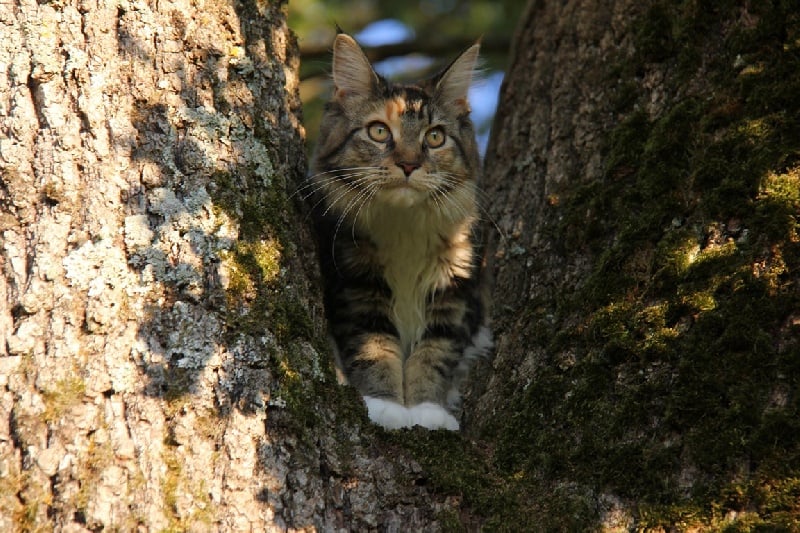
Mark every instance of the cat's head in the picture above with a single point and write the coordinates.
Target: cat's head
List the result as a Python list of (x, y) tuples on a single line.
[(392, 143)]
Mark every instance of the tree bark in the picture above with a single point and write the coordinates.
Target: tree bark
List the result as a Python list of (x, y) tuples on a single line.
[(643, 171), (162, 355)]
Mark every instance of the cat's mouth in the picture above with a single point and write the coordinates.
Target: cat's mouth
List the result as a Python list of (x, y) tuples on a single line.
[(403, 192), (405, 182)]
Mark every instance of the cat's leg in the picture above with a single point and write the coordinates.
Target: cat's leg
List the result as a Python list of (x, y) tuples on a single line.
[(373, 363), (439, 360), (428, 377), (369, 353)]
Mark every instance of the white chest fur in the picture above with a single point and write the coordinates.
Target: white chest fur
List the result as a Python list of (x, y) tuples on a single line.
[(420, 251)]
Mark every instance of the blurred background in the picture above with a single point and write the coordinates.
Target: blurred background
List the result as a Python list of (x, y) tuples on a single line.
[(405, 40)]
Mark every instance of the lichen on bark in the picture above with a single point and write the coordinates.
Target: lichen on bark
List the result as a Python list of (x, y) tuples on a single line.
[(162, 359)]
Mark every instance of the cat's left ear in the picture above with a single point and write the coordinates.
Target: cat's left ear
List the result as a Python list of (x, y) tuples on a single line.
[(453, 84)]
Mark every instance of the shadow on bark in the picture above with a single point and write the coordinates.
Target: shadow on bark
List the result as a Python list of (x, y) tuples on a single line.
[(649, 365), (236, 325)]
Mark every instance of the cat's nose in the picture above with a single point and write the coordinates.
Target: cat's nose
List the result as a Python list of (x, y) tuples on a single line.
[(407, 167)]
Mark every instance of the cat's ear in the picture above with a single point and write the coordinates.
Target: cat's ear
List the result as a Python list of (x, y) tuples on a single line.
[(453, 84), (352, 73)]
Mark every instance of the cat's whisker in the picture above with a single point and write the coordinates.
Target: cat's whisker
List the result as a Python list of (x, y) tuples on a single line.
[(328, 176), (457, 207), (318, 183), (354, 201), (340, 173), (352, 181), (348, 188), (451, 179), (342, 190), (361, 199), (435, 181), (366, 193), (489, 218), (438, 197), (435, 198), (367, 200), (314, 188), (343, 169), (455, 179)]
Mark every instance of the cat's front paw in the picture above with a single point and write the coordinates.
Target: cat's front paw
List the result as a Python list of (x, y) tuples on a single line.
[(432, 416), (388, 414), (392, 415)]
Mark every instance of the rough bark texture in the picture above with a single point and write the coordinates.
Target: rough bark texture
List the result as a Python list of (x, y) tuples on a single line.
[(644, 171), (161, 361)]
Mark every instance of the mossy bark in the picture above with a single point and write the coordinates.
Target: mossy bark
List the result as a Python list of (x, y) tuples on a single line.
[(162, 360), (645, 174), (163, 363)]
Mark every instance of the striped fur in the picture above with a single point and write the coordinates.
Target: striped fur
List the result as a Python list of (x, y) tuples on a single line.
[(394, 204)]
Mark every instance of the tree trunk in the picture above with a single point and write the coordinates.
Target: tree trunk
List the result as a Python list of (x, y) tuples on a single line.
[(644, 171), (163, 356), (163, 363)]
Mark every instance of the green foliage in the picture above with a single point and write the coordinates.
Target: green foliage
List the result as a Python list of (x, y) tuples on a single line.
[(442, 29), (434, 21)]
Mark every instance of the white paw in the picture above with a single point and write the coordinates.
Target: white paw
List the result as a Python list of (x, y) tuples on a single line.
[(388, 414), (432, 416)]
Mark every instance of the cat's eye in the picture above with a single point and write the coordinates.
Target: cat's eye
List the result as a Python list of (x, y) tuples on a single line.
[(434, 137), (379, 132)]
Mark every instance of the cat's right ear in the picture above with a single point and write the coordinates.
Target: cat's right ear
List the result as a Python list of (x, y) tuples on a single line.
[(352, 72)]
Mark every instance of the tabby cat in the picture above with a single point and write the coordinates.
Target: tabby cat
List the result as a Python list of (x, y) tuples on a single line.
[(394, 203)]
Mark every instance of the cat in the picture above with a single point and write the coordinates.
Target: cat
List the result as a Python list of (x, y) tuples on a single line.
[(395, 209)]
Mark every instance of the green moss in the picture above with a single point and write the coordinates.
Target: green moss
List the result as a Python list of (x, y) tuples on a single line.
[(24, 513), (695, 230), (257, 295), (456, 467), (449, 522), (177, 386), (265, 295), (66, 394), (175, 480), (654, 34), (778, 203), (169, 487), (671, 375), (99, 456)]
